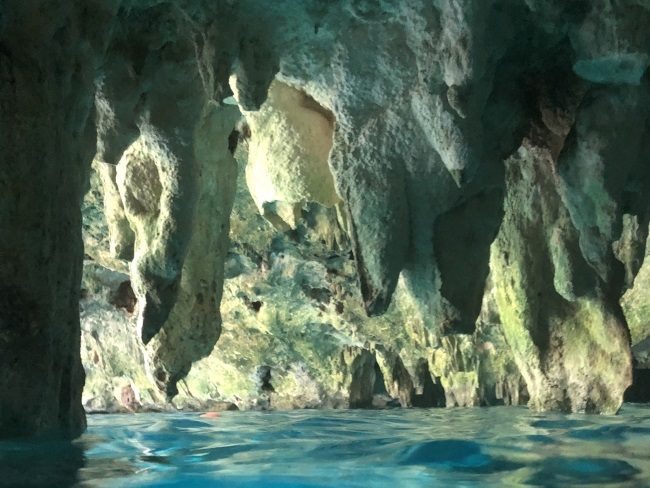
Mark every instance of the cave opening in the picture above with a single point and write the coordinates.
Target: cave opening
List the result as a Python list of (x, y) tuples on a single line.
[(429, 394), (379, 388)]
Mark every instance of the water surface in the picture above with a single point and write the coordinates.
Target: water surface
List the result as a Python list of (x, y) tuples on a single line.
[(486, 447)]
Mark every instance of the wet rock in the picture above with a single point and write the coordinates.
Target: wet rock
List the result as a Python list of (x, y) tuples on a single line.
[(636, 303), (129, 398), (46, 145), (214, 406), (426, 129), (111, 352), (538, 244), (395, 376)]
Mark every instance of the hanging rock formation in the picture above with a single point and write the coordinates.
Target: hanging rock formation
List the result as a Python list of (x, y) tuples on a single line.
[(425, 117), (291, 304), (176, 181), (291, 137), (193, 325), (466, 140)]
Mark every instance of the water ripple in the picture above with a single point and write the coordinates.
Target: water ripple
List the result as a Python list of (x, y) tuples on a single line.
[(493, 447)]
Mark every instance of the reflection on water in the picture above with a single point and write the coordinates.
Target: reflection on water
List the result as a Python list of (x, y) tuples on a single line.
[(500, 446)]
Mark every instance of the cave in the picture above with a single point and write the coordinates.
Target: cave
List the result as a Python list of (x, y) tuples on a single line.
[(441, 204)]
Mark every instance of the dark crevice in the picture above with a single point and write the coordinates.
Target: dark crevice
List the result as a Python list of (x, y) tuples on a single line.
[(264, 375), (433, 394), (639, 390), (379, 387)]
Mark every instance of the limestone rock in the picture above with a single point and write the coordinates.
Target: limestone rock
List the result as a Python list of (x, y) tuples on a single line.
[(291, 137), (106, 329), (192, 325), (47, 64), (291, 307), (558, 340), (108, 237), (450, 123), (175, 175), (359, 375)]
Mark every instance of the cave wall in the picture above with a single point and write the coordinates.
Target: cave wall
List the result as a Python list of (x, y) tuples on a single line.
[(46, 142), (291, 304), (424, 119), (428, 99)]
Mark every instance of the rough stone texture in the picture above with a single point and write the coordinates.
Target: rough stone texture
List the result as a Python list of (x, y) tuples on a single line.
[(291, 137), (193, 325), (425, 115), (291, 306), (152, 56), (107, 235), (559, 337), (106, 328), (428, 100), (636, 305), (46, 145), (175, 181)]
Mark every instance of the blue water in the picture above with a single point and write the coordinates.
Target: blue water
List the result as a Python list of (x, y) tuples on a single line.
[(488, 447)]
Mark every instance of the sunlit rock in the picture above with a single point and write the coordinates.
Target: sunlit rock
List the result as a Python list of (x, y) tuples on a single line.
[(636, 305), (291, 305), (192, 325), (560, 337), (291, 137), (411, 155)]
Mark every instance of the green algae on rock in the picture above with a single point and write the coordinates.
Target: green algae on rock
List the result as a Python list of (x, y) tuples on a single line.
[(291, 304), (458, 192)]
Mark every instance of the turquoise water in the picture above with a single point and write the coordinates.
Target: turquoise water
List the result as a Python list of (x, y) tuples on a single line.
[(486, 447)]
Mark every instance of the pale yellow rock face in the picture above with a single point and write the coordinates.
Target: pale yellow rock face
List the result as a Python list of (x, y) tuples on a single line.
[(108, 237), (291, 137), (120, 233), (295, 309)]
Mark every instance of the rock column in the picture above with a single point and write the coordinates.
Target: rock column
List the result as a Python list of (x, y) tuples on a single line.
[(48, 54)]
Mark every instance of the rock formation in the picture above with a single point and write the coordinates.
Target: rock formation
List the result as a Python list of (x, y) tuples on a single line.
[(291, 138), (48, 58), (292, 307), (467, 142)]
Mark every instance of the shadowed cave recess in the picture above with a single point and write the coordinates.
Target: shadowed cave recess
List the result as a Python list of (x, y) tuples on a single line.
[(312, 204)]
